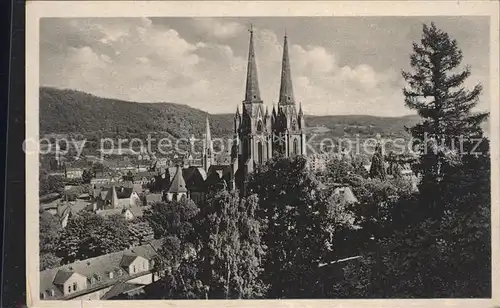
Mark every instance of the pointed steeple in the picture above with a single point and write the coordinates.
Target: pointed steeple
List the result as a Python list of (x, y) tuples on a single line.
[(252, 92), (300, 110), (208, 135), (237, 112), (286, 88), (113, 197), (178, 183), (207, 148)]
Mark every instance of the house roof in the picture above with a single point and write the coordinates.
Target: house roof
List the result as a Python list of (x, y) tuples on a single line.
[(178, 184), (137, 211), (73, 208), (120, 289), (154, 198), (345, 194), (218, 174), (110, 212), (128, 259), (62, 276), (98, 266), (144, 174), (122, 192)]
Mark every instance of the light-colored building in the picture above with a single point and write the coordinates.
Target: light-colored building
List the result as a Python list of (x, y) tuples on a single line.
[(100, 277), (73, 173)]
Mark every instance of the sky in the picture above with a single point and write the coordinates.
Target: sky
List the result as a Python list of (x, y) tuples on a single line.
[(340, 65)]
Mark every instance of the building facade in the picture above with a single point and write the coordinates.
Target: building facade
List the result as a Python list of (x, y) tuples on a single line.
[(260, 134)]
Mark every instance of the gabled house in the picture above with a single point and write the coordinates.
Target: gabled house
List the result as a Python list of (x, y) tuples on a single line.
[(93, 278), (117, 198)]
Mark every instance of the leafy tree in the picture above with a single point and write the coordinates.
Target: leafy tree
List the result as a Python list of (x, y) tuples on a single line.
[(173, 221), (87, 176), (50, 183), (339, 170), (296, 231), (172, 218), (50, 229), (439, 244), (129, 176), (89, 235), (49, 260), (231, 249), (377, 169)]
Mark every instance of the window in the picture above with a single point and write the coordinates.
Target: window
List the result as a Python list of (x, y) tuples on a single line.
[(74, 286), (111, 275), (260, 153), (69, 289), (52, 292), (259, 126), (295, 147), (133, 269), (42, 295)]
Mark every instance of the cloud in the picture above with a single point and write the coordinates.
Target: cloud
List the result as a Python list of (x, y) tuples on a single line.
[(135, 59), (217, 28)]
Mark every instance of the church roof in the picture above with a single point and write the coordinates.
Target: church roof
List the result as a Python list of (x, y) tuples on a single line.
[(252, 92), (178, 184), (286, 88)]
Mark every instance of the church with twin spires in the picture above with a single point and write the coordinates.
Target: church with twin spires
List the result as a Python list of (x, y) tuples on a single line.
[(258, 133)]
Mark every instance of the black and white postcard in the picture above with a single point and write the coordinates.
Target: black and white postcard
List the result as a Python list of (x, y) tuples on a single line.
[(271, 151)]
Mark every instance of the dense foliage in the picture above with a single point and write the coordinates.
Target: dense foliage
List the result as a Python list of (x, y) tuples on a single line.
[(89, 235), (50, 229)]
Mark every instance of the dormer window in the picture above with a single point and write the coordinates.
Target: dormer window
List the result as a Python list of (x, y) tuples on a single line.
[(42, 295), (110, 275), (52, 292)]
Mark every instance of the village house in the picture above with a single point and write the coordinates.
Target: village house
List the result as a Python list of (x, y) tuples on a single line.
[(73, 173), (100, 277), (116, 197)]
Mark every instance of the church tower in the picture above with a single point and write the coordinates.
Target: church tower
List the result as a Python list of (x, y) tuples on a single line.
[(208, 156), (288, 122), (252, 126)]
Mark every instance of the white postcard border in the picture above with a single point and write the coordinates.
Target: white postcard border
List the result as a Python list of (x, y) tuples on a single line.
[(38, 9)]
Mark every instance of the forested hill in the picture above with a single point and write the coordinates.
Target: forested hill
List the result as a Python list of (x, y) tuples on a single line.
[(70, 111)]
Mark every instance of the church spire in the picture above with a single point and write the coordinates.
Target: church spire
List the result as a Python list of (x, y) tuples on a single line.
[(252, 92), (207, 148), (286, 88), (208, 134)]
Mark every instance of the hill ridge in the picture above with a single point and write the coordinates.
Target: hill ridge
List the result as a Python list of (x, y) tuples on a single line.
[(74, 111)]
